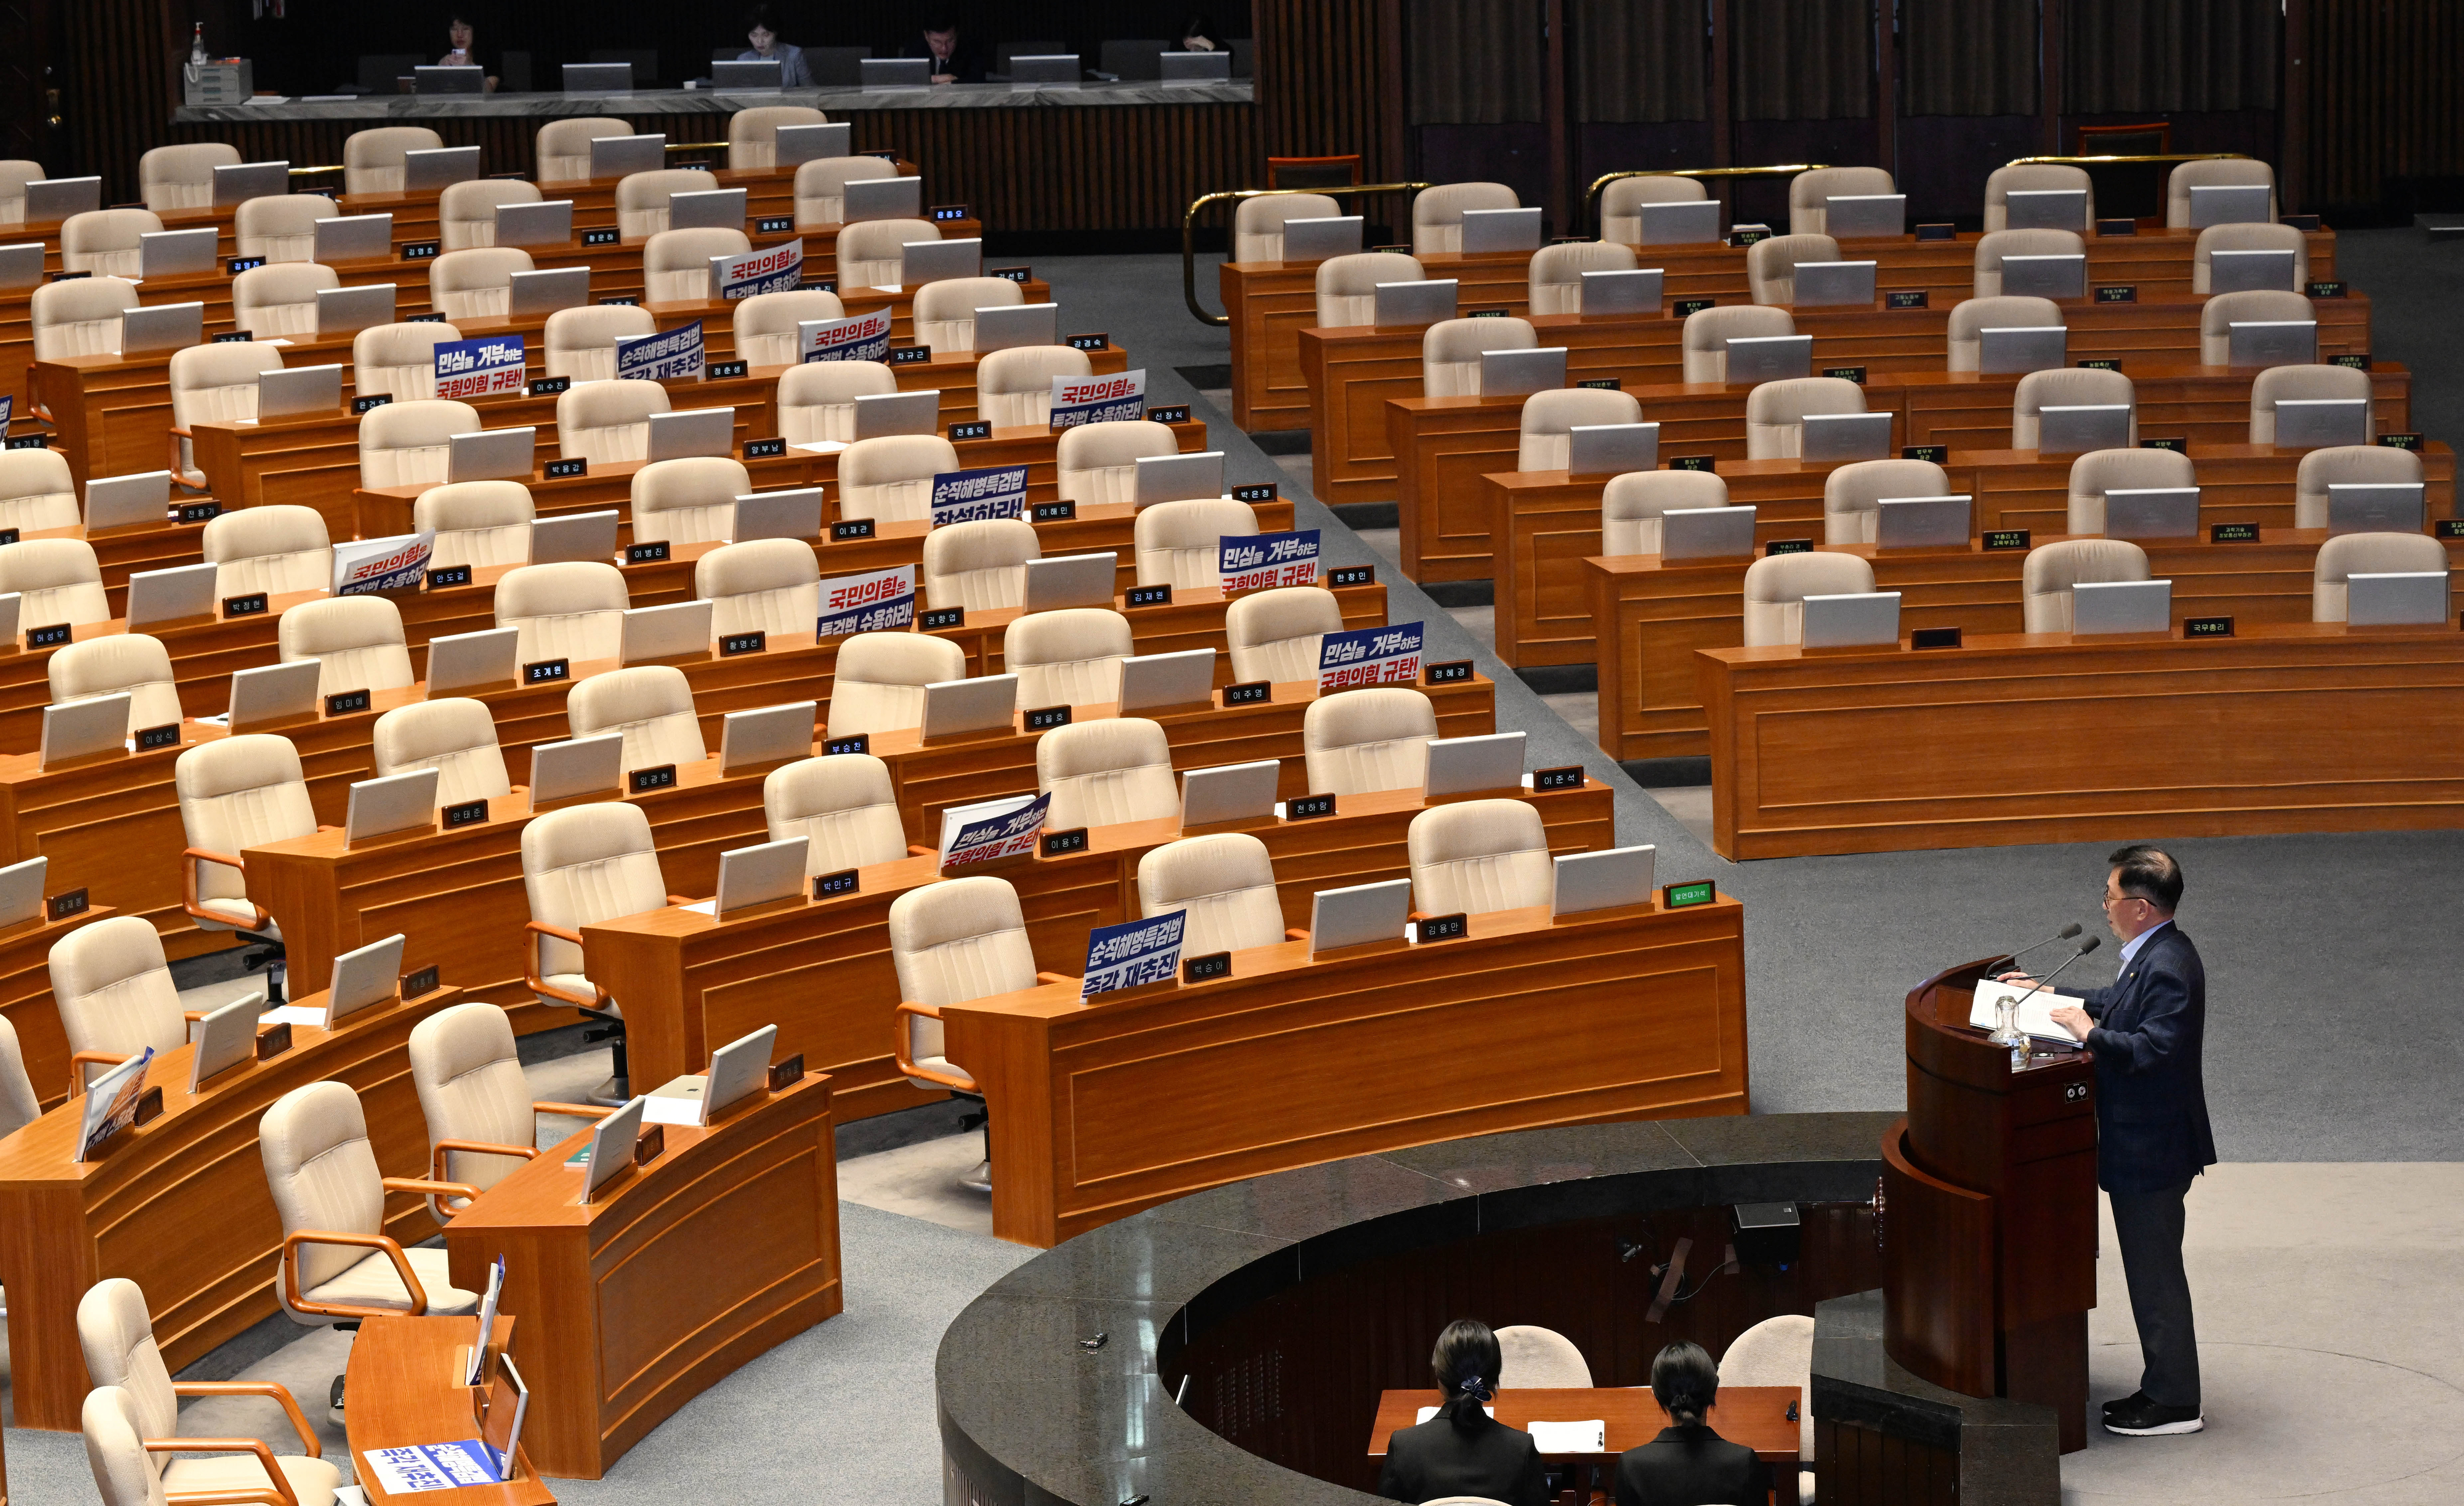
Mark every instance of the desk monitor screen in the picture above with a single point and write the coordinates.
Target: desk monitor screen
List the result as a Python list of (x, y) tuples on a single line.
[(771, 734), (162, 326), (2060, 275), (1852, 620), (1683, 223), (223, 1039), (895, 72), (880, 413), (347, 311), (988, 702), (1834, 282), (493, 454), (2075, 430), (574, 535), (2411, 597), (21, 266), (670, 631), (798, 144), (2374, 507), (1177, 478), (1847, 436), (48, 199), (433, 169), (21, 890), (707, 208), (2151, 512), (611, 1147), (1612, 449), (1319, 239), (1196, 68), (1500, 231), (920, 262), (757, 75), (1520, 373), (1362, 912), (174, 594), (295, 390), (274, 694), (2231, 204), (464, 661), (1600, 880), (1706, 532), (547, 223), (1920, 522), (168, 253), (394, 802), (1185, 678), (883, 199), (2046, 209), (546, 290), (440, 79), (1231, 792), (119, 501), (1404, 304), (2272, 342), (10, 602), (582, 766), (1847, 216), (355, 237), (1635, 292), (2122, 606), (2003, 350), (792, 514), (237, 183), (1044, 71), (599, 77), (84, 729), (1757, 359), (1064, 580), (1017, 324), (2316, 423), (757, 875), (739, 1068), (688, 432), (617, 155), (2238, 271), (1470, 764), (370, 975)]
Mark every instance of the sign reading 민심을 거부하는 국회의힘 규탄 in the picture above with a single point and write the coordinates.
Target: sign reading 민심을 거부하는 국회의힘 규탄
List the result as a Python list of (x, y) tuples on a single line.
[(479, 368), (1389, 655), (1261, 561)]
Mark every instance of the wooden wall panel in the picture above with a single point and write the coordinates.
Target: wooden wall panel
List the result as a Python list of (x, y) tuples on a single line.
[(2386, 98), (1329, 83)]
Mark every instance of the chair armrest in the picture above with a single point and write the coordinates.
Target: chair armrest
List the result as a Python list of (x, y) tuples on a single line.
[(192, 1015), (290, 1404), (190, 858), (1042, 977), (425, 1188), (674, 898), (530, 967), (437, 1169), (590, 1111), (907, 1064), (1296, 933), (279, 1491), (79, 1060), (291, 1244), (918, 850)]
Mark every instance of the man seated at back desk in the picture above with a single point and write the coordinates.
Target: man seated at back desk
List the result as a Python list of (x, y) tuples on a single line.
[(953, 62)]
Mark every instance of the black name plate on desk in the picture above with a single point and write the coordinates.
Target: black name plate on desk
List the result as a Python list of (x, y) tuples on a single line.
[(911, 355), (859, 743), (1255, 491), (1687, 308), (1445, 928), (2100, 364), (415, 985), (1788, 546), (1149, 596), (1855, 374), (450, 576), (247, 605), (642, 781), (1248, 692), (2116, 226), (733, 644), (973, 428), (1454, 672), (726, 370), (1999, 538), (1912, 299), (60, 906), (1060, 844), (198, 512), (550, 386), (2352, 360), (51, 636), (2118, 292), (547, 669), (1934, 638), (1694, 463), (1308, 807), (774, 225), (1055, 512), (566, 470), (420, 251), (346, 702), (360, 407), (852, 528), (829, 886), (2448, 528), (942, 616), (649, 554), (167, 735), (1011, 273), (1176, 413), (237, 265), (1096, 341), (1042, 718), (1937, 453), (1568, 777), (2207, 627), (1352, 576), (2177, 443), (1602, 383), (1214, 965), (599, 237), (2401, 441), (764, 448), (1938, 231), (2232, 532), (467, 813)]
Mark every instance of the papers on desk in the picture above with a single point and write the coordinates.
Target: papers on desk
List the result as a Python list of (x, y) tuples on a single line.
[(701, 907), (1569, 1437), (1427, 1412), (430, 1467), (822, 446), (2035, 1015), (350, 1496), (678, 1102), (293, 1015)]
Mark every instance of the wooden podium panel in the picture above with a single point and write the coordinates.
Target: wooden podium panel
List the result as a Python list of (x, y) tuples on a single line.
[(1101, 1109), (26, 1000), (180, 1206), (681, 1271), (2205, 406), (399, 1379)]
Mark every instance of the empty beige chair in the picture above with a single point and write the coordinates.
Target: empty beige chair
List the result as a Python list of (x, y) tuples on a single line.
[(410, 443), (1451, 349), (15, 174), (282, 226), (652, 705), (18, 1105), (338, 1264), (357, 640), (1994, 245), (1472, 857), (466, 212), (2077, 386), (1014, 387), (1809, 195), (1225, 884), (1775, 412), (753, 135), (1347, 286), (945, 310), (372, 160), (872, 253), (1529, 1356), (115, 994), (1098, 462), (817, 400), (2031, 178), (580, 865), (1071, 657), (764, 585), (1621, 202), (58, 579), (1970, 318), (107, 242), (1706, 332), (279, 301), (573, 609), (843, 806), (2348, 554), (890, 478), (453, 734), (1278, 635), (237, 793), (562, 147), (1631, 506), (2102, 470), (2251, 306), (477, 283), (1779, 1351), (2223, 173), (2050, 571), (214, 384), (1777, 586), (642, 198), (280, 550), (2249, 237), (675, 264), (820, 190), (1258, 224), (954, 941), (1106, 772), (687, 501), (2336, 465), (1437, 213), (482, 1123), (1548, 416), (477, 522), (582, 343), (1771, 265), (398, 361), (979, 566), (1853, 494), (1354, 742), (181, 177), (608, 422), (1556, 275), (2305, 383), (765, 324), (135, 665), (80, 317), (1180, 544), (879, 684), (126, 1472), (37, 491)]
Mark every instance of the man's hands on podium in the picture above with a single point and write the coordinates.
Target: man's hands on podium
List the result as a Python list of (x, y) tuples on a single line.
[(2069, 1016)]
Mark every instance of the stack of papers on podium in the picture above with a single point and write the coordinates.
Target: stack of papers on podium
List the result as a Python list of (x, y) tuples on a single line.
[(1569, 1437), (2035, 1015)]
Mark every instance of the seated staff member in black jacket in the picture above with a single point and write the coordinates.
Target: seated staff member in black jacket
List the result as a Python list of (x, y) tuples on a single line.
[(1462, 1451), (1688, 1464)]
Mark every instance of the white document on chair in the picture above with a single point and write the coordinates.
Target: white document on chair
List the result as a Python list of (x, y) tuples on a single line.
[(1427, 1412), (1569, 1437), (2035, 1015)]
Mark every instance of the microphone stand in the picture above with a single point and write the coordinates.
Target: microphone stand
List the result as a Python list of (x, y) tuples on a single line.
[(2063, 934), (2093, 942)]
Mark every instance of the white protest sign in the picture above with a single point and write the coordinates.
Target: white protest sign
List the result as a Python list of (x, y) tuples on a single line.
[(774, 269), (382, 565), (859, 337), (877, 600)]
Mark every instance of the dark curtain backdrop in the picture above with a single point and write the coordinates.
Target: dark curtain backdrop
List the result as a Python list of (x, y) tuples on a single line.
[(1474, 62), (1636, 60), (2169, 54), (1802, 59), (1967, 57)]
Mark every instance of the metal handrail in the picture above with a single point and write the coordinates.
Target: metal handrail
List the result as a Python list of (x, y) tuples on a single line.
[(2153, 157), (306, 172), (1189, 230), (1591, 194)]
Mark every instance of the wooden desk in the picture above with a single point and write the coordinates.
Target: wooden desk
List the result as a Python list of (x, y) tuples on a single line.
[(2203, 404), (398, 1377), (26, 1000), (720, 1250), (180, 1206), (2290, 727), (1753, 1415)]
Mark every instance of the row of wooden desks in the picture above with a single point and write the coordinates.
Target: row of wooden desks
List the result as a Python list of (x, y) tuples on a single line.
[(1270, 303)]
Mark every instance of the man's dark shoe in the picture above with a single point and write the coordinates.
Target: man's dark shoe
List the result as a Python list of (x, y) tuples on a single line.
[(2125, 1403), (2149, 1419)]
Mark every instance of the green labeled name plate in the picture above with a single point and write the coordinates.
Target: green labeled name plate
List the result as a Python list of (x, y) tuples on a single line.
[(1684, 896)]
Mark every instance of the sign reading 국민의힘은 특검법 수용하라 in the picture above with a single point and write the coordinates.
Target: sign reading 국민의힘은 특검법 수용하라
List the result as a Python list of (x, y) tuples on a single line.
[(1098, 400), (875, 601)]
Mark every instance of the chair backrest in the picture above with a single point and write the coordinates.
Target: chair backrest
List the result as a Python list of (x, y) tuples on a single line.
[(675, 264), (278, 549), (37, 491), (323, 1175), (954, 941), (587, 863), (689, 500), (1476, 856), (2223, 172), (279, 300), (237, 793), (398, 361), (817, 400), (1098, 462), (871, 253), (80, 317), (890, 477), (1777, 1351), (1225, 884), (477, 522), (1070, 657), (1277, 635), (2050, 571), (2347, 554), (409, 441), (1775, 412), (2031, 178), (1621, 202), (768, 585), (2247, 237), (467, 211), (2342, 463), (126, 1473), (281, 226), (821, 189), (114, 989), (1180, 544), (453, 734), (1106, 772), (765, 325), (1347, 286), (471, 1087), (581, 344), (608, 422), (945, 310), (216, 384), (372, 160), (1771, 265), (1970, 318), (979, 566), (1549, 416), (753, 135), (573, 609), (1776, 586), (1706, 332), (1632, 505), (15, 173), (58, 579), (843, 805), (19, 1107), (878, 686), (2074, 386), (1014, 387), (1437, 213), (1258, 224), (2250, 306), (1528, 1356), (1556, 275), (1994, 245), (1852, 495), (652, 705), (1374, 738), (2102, 470), (182, 176), (642, 198), (2295, 383), (357, 640), (561, 150), (107, 242), (134, 664), (1450, 352), (1810, 193), (476, 282)]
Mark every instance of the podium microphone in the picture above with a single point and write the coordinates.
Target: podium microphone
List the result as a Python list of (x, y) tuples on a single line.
[(2063, 934)]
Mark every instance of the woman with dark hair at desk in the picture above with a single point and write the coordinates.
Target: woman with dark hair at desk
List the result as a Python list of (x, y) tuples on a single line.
[(1462, 1451), (1688, 1464), (761, 30), (457, 31)]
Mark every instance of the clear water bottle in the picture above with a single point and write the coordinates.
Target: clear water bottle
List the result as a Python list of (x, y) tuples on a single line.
[(2006, 1031), (197, 47)]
